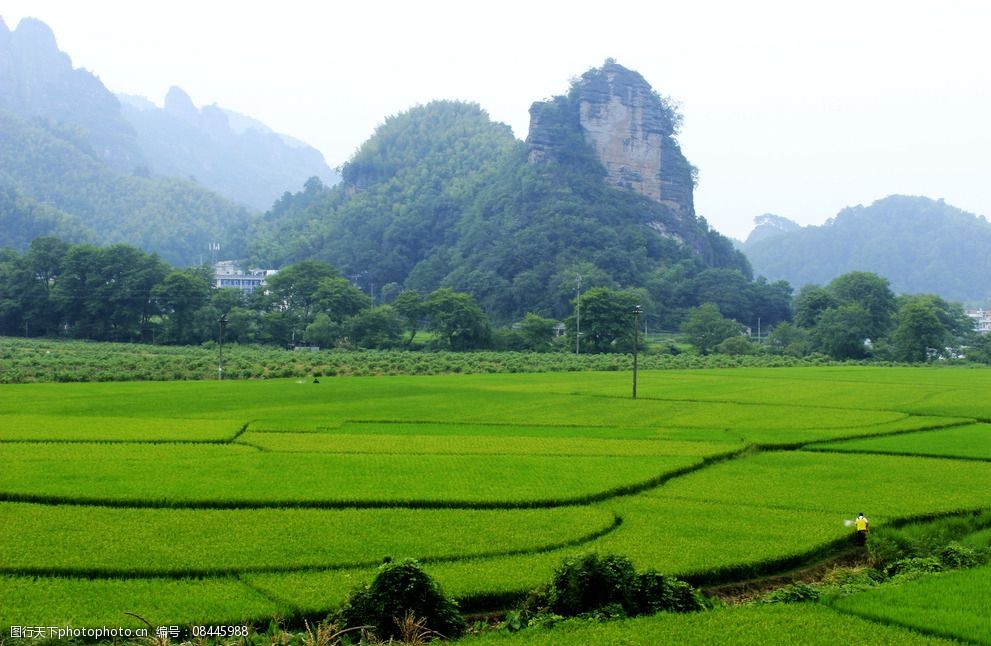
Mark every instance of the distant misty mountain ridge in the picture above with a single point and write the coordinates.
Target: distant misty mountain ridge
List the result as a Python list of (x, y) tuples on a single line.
[(235, 155), (231, 153), (82, 164), (239, 123), (919, 244)]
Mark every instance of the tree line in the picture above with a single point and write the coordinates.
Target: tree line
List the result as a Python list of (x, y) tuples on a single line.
[(120, 293), (855, 316)]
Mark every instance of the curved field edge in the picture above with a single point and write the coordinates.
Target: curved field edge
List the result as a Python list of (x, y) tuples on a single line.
[(497, 583), (949, 604), (203, 476), (962, 442), (73, 541), (236, 476), (886, 487)]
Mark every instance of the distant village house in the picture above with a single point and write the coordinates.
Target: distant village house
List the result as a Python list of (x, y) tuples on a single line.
[(982, 320), (227, 274)]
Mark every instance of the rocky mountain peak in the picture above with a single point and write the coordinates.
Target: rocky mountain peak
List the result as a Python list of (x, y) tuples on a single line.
[(36, 34), (628, 126), (177, 102), (30, 50)]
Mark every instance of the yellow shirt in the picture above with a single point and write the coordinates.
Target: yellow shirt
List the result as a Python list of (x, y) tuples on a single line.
[(861, 524)]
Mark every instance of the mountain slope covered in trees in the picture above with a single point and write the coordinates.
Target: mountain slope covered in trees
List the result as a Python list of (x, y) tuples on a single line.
[(919, 244), (75, 167), (56, 186), (441, 196)]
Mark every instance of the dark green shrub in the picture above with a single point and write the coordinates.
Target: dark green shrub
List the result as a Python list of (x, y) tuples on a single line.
[(914, 566), (955, 555), (658, 593), (397, 589), (794, 593), (590, 582), (608, 586)]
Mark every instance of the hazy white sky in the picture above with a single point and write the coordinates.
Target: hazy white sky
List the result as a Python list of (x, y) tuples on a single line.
[(792, 108)]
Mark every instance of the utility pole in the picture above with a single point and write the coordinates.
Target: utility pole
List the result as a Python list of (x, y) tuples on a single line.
[(578, 316), (220, 362), (637, 311)]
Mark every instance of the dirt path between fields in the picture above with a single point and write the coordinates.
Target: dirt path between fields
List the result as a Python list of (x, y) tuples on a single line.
[(743, 591)]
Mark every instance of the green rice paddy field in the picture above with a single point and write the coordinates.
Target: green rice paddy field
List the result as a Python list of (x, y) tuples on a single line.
[(239, 501)]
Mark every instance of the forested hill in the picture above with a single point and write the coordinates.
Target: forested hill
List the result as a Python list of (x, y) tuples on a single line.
[(72, 167), (51, 183), (921, 245), (441, 196)]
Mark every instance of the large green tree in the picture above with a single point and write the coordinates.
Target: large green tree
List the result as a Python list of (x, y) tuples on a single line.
[(376, 327), (180, 294), (872, 293), (705, 328), (919, 333), (293, 292), (456, 319), (842, 332), (606, 320), (810, 302), (536, 332)]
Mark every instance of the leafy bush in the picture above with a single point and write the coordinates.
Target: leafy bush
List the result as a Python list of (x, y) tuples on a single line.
[(610, 587), (658, 593), (956, 555), (735, 346), (914, 566), (590, 582), (794, 593), (398, 589)]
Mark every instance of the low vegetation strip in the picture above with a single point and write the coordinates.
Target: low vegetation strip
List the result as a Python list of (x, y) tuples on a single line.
[(950, 604), (75, 539), (41, 360), (971, 441), (231, 476)]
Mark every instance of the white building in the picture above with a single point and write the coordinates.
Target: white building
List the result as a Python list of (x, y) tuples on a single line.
[(226, 274), (982, 320)]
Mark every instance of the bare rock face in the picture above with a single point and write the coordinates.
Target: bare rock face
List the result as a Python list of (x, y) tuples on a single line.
[(629, 128)]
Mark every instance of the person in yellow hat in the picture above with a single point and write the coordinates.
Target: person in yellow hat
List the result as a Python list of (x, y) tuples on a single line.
[(863, 527)]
